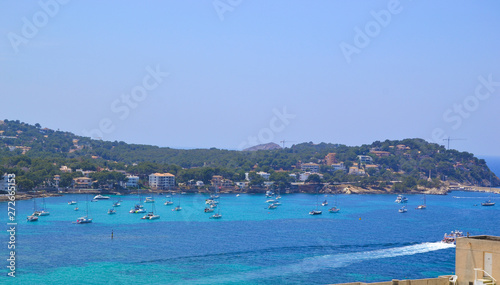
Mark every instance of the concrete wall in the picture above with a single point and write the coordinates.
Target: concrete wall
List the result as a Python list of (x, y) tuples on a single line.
[(470, 254), (442, 280)]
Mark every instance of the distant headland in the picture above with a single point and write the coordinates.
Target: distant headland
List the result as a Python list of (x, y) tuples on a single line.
[(50, 161)]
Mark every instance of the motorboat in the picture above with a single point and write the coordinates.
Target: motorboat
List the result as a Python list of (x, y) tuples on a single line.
[(178, 208), (403, 210), (100, 197), (149, 200), (111, 211), (168, 203), (315, 212), (272, 206), (71, 202), (488, 203), (216, 216), (452, 237), (401, 199), (116, 204), (208, 210), (325, 203)]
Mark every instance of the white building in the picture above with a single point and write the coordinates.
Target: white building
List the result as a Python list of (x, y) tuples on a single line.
[(132, 181), (365, 159), (338, 166), (310, 167), (5, 182), (200, 183), (161, 180), (303, 176), (264, 175)]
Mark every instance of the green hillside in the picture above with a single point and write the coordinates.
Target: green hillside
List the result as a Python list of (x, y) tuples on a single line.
[(35, 155)]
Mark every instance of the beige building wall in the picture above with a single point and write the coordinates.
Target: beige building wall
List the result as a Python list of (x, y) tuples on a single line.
[(471, 253)]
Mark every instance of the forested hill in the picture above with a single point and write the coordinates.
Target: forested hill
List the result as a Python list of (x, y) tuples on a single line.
[(37, 153)]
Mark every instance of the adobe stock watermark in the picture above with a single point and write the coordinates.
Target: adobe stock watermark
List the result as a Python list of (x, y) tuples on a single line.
[(224, 6), (372, 29), (40, 19), (461, 111), (122, 106), (277, 124)]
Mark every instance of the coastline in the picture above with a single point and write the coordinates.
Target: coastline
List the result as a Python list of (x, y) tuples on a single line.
[(307, 188)]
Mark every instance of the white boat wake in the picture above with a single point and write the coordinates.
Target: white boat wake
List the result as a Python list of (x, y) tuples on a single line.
[(316, 263)]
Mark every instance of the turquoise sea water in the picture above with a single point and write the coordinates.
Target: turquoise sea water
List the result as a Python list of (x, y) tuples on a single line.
[(367, 241)]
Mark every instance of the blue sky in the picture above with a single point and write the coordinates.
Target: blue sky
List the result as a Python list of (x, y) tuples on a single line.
[(233, 73)]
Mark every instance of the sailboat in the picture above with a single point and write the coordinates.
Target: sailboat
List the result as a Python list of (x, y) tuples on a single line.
[(151, 215), (316, 212), (169, 200), (138, 208), (33, 217), (216, 215), (178, 207), (85, 219), (43, 212), (334, 209), (488, 202), (325, 203), (423, 206)]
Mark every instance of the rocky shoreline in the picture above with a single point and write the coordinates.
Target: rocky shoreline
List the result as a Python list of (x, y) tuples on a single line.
[(306, 188)]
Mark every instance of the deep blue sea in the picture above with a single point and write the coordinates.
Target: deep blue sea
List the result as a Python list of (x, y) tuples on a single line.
[(369, 240)]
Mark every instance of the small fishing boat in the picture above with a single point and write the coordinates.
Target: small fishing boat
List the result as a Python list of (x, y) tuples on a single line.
[(111, 211), (76, 209), (208, 210), (403, 210)]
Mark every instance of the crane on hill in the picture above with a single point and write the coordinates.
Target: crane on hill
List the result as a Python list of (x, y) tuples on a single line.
[(454, 139)]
